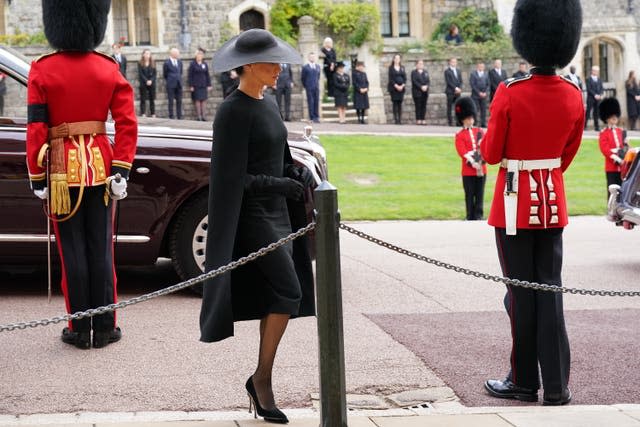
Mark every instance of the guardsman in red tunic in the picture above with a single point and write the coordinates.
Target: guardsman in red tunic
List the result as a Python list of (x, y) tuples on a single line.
[(70, 95), (474, 168), (613, 144), (534, 133)]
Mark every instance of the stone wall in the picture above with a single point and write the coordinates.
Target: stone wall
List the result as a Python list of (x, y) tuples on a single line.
[(439, 8), (23, 16)]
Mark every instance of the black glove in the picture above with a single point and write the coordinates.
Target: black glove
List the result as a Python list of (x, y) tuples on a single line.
[(301, 174), (265, 184)]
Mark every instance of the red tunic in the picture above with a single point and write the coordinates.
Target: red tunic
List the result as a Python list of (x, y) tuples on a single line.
[(609, 147), (534, 118), (466, 144), (74, 87)]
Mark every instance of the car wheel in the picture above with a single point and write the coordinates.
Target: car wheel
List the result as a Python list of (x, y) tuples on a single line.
[(188, 240)]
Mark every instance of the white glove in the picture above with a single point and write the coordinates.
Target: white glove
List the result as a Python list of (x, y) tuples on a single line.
[(117, 190), (42, 194)]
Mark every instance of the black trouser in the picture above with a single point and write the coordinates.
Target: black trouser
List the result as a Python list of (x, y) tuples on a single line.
[(474, 196), (421, 105), (360, 113), (175, 93), (397, 111), (537, 319), (613, 178), (592, 106), (286, 93), (632, 122), (85, 244), (451, 99), (481, 105), (147, 93), (313, 99)]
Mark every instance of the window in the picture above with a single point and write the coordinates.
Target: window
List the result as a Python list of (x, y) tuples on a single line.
[(251, 19), (385, 18), (403, 18), (133, 22), (604, 61)]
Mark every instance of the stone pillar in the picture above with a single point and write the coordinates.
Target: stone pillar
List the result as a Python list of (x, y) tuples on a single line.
[(307, 43), (376, 113), (504, 9)]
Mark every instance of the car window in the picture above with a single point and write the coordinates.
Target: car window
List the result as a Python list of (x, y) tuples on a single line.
[(13, 97)]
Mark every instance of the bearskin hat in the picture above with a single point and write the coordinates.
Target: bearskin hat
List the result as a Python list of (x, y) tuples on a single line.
[(609, 107), (75, 24), (465, 107), (546, 32)]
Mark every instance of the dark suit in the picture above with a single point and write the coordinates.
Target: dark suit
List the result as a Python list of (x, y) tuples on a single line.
[(122, 64), (495, 79), (593, 88), (310, 81), (453, 81), (478, 85), (283, 89), (173, 80), (420, 97)]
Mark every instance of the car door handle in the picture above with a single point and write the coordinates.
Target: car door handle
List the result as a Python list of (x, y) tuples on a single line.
[(142, 170)]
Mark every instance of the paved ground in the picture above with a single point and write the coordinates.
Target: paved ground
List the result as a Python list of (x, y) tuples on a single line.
[(160, 366)]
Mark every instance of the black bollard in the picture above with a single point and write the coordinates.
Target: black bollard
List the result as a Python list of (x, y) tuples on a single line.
[(333, 400)]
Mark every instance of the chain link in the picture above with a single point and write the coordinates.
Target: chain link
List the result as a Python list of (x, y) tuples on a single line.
[(161, 292), (486, 276)]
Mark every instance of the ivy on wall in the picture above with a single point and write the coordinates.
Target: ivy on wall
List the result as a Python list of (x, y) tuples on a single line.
[(24, 39), (475, 25), (350, 24)]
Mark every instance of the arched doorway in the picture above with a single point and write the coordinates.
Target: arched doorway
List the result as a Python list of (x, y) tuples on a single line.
[(608, 54), (251, 19)]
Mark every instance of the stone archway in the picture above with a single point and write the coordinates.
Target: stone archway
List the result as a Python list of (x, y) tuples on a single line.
[(252, 13), (607, 53), (251, 19)]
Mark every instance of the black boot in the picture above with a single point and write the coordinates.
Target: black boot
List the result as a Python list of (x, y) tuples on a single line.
[(104, 338), (81, 340)]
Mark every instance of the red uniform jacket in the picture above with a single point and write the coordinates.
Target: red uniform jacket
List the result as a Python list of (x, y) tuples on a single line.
[(609, 147), (67, 87), (466, 145), (534, 118)]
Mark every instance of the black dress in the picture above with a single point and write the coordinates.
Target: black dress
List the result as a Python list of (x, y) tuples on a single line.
[(199, 79), (398, 77), (360, 81), (250, 140), (632, 104), (341, 83)]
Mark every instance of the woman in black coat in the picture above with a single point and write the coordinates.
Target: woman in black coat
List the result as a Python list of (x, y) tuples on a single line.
[(147, 82), (255, 198), (199, 83), (360, 91), (330, 61), (396, 87), (420, 82), (341, 83), (633, 96)]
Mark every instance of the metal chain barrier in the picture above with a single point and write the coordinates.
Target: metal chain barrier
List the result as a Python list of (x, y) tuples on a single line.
[(490, 277), (166, 291)]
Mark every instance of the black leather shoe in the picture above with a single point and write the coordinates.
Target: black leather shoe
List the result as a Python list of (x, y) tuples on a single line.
[(508, 390), (557, 399), (102, 339), (81, 340), (274, 415)]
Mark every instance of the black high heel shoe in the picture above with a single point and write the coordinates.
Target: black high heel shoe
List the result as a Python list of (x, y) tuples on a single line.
[(274, 415)]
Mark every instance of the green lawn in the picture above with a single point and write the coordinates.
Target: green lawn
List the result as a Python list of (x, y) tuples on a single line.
[(390, 177)]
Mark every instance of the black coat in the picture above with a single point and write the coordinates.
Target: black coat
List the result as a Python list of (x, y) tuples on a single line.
[(251, 142), (398, 77), (632, 104), (145, 74), (452, 81), (479, 84), (594, 88), (341, 83), (495, 79), (419, 79), (360, 81)]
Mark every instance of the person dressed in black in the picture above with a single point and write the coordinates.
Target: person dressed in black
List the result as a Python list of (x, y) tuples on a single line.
[(147, 75), (120, 58), (360, 91), (633, 96), (479, 82), (229, 82), (574, 77), (595, 93), (396, 87), (453, 35), (496, 76), (284, 85), (420, 82), (453, 89), (341, 83), (330, 61), (522, 70), (172, 73), (199, 84), (255, 198)]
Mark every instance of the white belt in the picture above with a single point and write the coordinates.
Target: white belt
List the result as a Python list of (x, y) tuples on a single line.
[(530, 165), (511, 194)]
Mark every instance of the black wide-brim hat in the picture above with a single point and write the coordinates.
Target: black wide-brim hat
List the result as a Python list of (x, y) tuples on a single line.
[(251, 47), (465, 107), (609, 107), (75, 24), (546, 32)]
